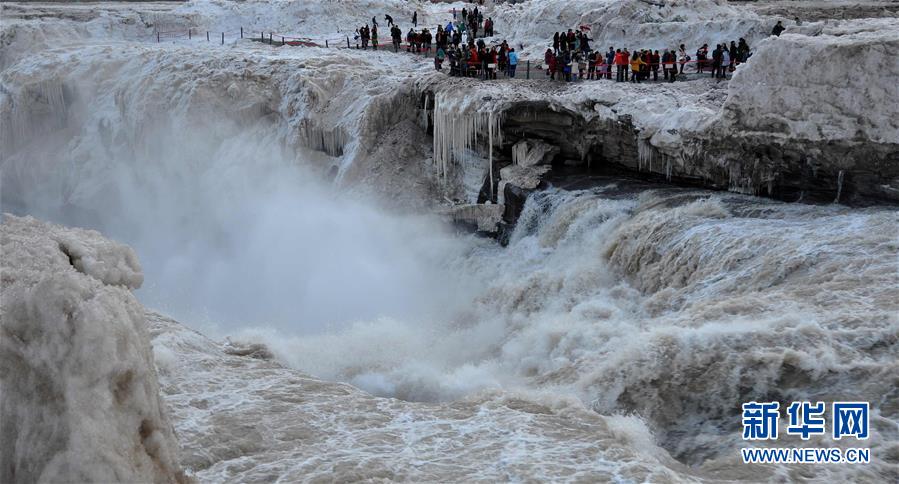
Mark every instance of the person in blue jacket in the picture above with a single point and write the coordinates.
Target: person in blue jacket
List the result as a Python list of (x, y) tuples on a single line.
[(513, 62), (610, 59)]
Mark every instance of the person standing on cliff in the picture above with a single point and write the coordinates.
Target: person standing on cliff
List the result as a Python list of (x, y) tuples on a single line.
[(610, 59), (655, 60), (397, 35), (513, 62), (682, 57), (363, 32), (716, 60), (438, 58), (742, 50), (621, 59), (636, 64), (778, 29), (725, 61), (549, 58), (702, 57), (415, 19)]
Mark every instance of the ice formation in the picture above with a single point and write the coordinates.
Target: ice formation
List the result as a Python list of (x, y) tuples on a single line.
[(80, 398), (458, 127)]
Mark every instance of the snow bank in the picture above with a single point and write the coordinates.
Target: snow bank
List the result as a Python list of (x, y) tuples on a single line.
[(79, 397), (836, 82)]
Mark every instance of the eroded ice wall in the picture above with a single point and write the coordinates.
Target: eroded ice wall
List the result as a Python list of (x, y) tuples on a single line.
[(79, 397)]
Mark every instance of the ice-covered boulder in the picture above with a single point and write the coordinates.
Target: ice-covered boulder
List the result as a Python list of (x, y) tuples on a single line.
[(832, 82), (817, 110), (531, 152), (79, 397)]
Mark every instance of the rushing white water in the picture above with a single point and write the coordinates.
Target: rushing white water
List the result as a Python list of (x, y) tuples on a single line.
[(616, 335)]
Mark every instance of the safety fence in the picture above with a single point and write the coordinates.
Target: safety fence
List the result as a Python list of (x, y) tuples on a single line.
[(526, 68)]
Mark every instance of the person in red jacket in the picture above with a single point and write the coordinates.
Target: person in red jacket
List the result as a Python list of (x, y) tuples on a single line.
[(550, 60), (620, 66), (491, 63), (474, 61)]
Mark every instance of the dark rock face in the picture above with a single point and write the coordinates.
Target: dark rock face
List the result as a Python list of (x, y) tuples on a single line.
[(856, 172), (860, 172)]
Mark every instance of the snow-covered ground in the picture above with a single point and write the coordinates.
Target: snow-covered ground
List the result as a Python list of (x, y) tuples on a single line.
[(283, 196)]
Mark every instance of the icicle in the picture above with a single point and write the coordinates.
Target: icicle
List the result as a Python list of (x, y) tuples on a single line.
[(839, 186), (329, 141), (490, 129), (519, 152), (423, 121), (644, 153)]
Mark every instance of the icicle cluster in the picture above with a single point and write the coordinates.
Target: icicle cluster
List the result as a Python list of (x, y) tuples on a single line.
[(520, 152), (457, 130), (645, 153), (329, 141), (47, 110)]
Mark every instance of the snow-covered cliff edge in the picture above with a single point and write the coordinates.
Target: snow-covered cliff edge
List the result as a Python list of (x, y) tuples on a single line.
[(79, 398), (809, 117)]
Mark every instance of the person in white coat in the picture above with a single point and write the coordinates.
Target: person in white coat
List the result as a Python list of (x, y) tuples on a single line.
[(725, 62)]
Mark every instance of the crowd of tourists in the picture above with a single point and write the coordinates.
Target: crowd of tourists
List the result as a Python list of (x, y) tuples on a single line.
[(456, 43), (571, 57), (463, 28)]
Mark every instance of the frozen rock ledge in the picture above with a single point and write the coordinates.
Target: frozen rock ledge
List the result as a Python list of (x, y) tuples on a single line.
[(79, 397)]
